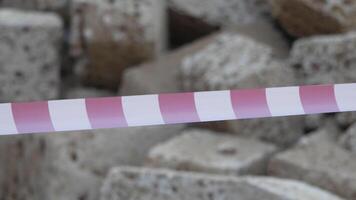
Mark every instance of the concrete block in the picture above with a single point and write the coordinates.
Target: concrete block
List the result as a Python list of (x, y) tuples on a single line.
[(29, 60), (320, 161), (233, 61), (206, 151), (321, 59), (307, 17), (114, 35), (146, 184)]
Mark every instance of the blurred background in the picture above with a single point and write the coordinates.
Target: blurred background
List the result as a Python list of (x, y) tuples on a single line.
[(62, 49)]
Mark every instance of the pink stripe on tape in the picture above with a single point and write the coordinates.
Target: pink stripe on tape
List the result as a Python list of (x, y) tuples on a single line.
[(318, 99), (32, 117), (250, 103), (106, 112), (178, 108)]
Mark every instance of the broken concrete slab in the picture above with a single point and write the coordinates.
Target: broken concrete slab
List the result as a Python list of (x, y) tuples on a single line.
[(71, 165), (114, 35), (211, 152), (147, 184), (307, 17), (318, 160), (29, 55)]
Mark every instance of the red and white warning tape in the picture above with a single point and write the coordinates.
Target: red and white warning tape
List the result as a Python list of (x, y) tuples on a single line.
[(127, 111)]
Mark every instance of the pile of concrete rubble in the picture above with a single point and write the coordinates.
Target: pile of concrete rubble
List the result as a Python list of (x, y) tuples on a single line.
[(52, 49)]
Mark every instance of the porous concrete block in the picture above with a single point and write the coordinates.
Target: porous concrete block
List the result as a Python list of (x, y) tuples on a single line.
[(325, 59), (222, 13), (308, 17), (124, 183), (320, 161), (29, 60), (206, 151), (71, 165), (233, 61), (114, 35)]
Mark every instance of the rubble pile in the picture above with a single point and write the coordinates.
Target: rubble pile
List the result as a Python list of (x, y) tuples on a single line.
[(91, 48)]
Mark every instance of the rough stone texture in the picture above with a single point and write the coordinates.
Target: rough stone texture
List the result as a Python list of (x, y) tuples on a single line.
[(145, 184), (114, 35), (52, 5), (322, 59), (71, 165), (233, 61), (206, 151), (318, 160), (225, 12), (29, 63), (308, 17)]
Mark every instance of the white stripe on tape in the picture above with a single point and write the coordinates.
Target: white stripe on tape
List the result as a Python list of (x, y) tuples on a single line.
[(7, 125), (214, 105), (345, 95), (69, 115), (284, 101), (142, 110)]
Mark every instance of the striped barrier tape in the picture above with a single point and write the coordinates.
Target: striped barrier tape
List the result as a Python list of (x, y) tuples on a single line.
[(128, 111)]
